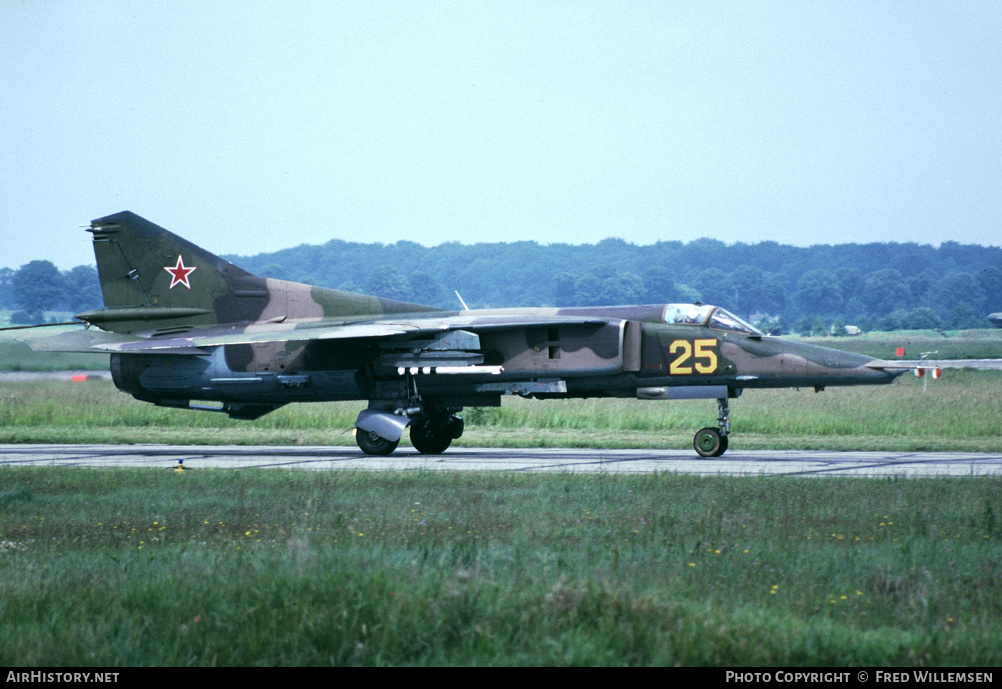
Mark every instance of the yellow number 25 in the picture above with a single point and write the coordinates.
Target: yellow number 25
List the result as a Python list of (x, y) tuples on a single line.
[(704, 359)]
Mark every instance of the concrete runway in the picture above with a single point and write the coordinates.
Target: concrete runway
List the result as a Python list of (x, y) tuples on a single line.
[(734, 463)]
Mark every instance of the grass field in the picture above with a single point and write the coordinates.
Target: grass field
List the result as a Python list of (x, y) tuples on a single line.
[(150, 567), (961, 411)]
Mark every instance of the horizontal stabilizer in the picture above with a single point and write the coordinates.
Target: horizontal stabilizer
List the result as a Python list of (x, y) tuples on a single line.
[(78, 340), (194, 339)]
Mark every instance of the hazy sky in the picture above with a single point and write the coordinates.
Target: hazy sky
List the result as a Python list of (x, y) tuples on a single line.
[(254, 126)]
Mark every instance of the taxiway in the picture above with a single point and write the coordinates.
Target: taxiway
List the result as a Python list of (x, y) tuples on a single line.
[(736, 463)]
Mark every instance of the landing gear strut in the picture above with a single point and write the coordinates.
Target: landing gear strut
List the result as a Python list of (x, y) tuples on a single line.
[(431, 433), (433, 428), (712, 442)]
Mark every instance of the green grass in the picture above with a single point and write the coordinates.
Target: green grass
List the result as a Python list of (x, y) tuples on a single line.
[(961, 411), (267, 567)]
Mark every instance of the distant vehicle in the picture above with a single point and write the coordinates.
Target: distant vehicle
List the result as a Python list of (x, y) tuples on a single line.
[(995, 319), (184, 326)]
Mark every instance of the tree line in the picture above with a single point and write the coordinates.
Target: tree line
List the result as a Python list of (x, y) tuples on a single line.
[(786, 288), (874, 286), (39, 287)]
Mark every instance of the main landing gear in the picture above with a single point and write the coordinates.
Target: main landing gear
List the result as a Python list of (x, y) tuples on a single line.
[(374, 444), (712, 442), (433, 428), (433, 434)]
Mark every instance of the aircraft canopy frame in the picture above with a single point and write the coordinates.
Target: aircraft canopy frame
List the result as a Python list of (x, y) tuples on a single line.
[(708, 315)]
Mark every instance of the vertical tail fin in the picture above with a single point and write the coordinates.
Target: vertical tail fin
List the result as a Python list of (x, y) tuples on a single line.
[(152, 276), (154, 280)]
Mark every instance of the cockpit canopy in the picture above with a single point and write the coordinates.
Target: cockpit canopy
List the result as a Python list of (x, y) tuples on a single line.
[(707, 315)]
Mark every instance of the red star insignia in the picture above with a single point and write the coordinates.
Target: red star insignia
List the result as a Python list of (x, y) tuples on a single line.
[(179, 273)]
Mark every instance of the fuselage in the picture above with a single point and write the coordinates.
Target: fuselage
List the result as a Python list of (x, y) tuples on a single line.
[(652, 352)]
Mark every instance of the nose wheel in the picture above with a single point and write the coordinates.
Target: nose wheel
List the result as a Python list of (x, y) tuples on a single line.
[(709, 442), (712, 442)]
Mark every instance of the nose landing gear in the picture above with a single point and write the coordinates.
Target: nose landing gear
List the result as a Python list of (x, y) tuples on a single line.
[(712, 442)]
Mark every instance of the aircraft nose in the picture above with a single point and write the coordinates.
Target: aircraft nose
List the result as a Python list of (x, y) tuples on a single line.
[(846, 368), (883, 371)]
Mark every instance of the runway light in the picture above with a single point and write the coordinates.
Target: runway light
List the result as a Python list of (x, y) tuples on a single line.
[(180, 466)]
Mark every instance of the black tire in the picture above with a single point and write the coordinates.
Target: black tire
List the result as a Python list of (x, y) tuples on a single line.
[(430, 438), (709, 443), (374, 444)]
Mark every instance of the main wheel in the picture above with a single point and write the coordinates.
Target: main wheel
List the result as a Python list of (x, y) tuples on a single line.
[(430, 438), (374, 444), (709, 442)]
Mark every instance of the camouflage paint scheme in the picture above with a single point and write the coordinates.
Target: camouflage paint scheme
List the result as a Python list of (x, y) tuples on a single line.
[(183, 325)]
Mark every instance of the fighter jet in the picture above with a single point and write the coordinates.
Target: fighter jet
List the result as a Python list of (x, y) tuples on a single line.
[(185, 327)]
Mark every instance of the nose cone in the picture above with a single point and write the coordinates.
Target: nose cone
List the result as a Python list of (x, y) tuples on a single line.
[(837, 367), (782, 363)]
